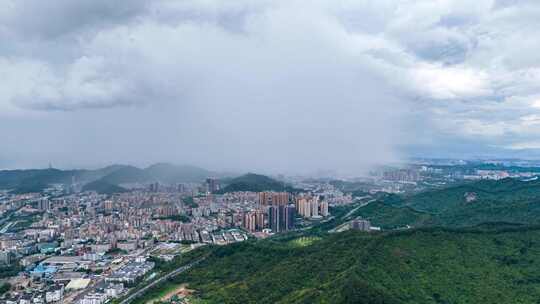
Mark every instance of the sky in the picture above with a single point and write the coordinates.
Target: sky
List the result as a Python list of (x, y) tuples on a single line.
[(276, 86)]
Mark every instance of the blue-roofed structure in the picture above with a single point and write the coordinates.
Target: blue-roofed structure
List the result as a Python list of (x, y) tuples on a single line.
[(42, 270)]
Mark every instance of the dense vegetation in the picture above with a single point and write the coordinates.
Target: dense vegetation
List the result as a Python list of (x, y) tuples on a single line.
[(256, 183), (4, 287), (29, 186), (10, 179), (178, 218), (486, 264), (507, 200), (504, 191), (190, 202), (7, 271), (103, 187), (390, 217)]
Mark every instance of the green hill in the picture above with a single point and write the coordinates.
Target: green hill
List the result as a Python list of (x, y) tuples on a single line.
[(390, 217), (162, 172), (29, 186), (524, 212), (10, 179), (169, 173), (127, 174), (507, 200), (92, 175), (502, 191), (256, 183), (487, 264), (103, 187)]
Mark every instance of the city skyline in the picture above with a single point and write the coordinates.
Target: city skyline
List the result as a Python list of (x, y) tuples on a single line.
[(269, 151), (112, 235)]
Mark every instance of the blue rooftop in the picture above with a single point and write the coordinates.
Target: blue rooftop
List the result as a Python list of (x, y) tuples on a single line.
[(43, 269)]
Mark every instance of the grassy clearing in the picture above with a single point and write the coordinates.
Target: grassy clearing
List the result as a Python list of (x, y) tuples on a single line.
[(304, 241)]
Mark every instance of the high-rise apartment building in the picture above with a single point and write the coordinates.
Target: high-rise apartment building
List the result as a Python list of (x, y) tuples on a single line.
[(362, 225), (254, 220), (314, 204), (324, 208), (309, 207), (154, 187), (249, 221), (260, 218), (281, 218), (44, 204), (212, 185), (273, 198), (290, 215)]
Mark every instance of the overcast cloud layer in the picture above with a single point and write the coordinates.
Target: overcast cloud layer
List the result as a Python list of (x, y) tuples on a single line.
[(278, 86)]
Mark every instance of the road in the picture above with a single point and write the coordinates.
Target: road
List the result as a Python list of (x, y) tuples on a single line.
[(176, 272), (347, 216), (360, 206), (7, 226)]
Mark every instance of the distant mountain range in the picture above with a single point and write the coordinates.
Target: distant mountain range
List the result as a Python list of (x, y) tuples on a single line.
[(162, 172), (110, 179), (37, 179)]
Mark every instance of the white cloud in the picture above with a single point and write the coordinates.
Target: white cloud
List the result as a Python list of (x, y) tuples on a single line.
[(524, 145), (338, 69), (455, 82)]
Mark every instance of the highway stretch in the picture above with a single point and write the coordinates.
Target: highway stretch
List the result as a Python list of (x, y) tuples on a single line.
[(360, 206), (176, 272)]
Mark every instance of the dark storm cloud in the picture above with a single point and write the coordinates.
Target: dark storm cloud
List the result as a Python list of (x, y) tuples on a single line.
[(266, 85), (50, 19)]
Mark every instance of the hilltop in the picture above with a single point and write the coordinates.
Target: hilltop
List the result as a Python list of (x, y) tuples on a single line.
[(10, 179), (170, 173), (126, 175), (103, 187), (391, 217), (256, 183)]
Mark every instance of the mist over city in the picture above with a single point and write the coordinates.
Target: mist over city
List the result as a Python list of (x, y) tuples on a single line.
[(214, 151)]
